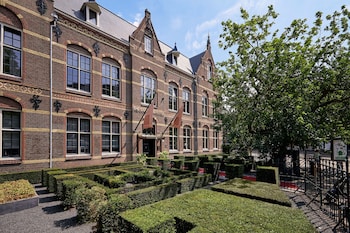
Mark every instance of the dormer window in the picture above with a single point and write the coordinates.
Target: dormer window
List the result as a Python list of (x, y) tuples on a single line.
[(173, 55), (91, 11)]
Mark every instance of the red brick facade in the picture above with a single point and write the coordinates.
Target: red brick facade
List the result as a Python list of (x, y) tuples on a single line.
[(27, 97)]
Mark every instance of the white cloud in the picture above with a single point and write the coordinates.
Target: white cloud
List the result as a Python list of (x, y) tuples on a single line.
[(137, 19), (176, 23)]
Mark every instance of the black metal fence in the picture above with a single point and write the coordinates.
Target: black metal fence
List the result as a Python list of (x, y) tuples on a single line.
[(324, 181)]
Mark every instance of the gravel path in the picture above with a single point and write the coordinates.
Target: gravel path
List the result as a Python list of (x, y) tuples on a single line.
[(48, 217)]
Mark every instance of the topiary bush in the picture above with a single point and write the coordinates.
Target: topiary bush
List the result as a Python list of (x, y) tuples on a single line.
[(108, 220), (268, 174), (89, 201)]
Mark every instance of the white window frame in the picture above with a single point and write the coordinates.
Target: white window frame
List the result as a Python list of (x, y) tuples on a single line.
[(148, 85), (215, 140), (11, 47), (2, 157), (205, 139), (94, 20), (173, 139), (186, 98), (148, 44), (173, 97), (80, 67), (111, 77), (81, 150), (187, 139), (111, 135), (205, 101)]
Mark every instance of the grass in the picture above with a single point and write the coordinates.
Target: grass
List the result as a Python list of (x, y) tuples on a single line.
[(15, 190), (255, 190), (211, 211)]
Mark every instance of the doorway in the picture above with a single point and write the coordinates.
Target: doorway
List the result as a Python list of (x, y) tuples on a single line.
[(148, 147)]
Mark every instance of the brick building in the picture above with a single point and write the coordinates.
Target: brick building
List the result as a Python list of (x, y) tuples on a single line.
[(78, 83)]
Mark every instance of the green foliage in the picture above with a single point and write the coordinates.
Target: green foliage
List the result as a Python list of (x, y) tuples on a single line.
[(89, 201), (15, 190), (284, 88), (210, 211), (255, 190), (164, 155), (141, 158), (108, 220), (34, 177), (153, 194), (268, 174), (234, 170)]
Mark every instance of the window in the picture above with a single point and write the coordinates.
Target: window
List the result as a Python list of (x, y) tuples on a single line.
[(216, 139), (173, 94), (78, 135), (10, 134), (78, 71), (187, 138), (205, 145), (205, 105), (92, 17), (209, 70), (148, 44), (11, 48), (110, 80), (186, 96), (173, 138), (148, 89), (110, 136)]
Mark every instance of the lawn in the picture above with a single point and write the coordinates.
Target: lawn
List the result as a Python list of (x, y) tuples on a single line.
[(211, 211)]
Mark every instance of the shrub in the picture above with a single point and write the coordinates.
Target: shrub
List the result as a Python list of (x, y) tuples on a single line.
[(68, 192), (268, 174), (234, 170), (108, 220), (15, 190), (34, 177), (89, 202), (50, 185)]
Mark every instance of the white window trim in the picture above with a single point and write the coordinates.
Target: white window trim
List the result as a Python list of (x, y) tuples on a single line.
[(79, 154), (13, 130), (112, 153), (111, 79)]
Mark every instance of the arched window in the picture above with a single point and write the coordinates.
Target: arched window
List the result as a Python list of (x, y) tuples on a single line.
[(78, 69), (187, 138), (173, 97), (205, 138), (205, 104), (186, 98), (110, 136), (148, 88), (110, 78), (78, 134), (10, 120), (10, 43)]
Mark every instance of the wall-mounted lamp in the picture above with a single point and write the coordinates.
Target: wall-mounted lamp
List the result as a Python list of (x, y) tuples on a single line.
[(126, 114)]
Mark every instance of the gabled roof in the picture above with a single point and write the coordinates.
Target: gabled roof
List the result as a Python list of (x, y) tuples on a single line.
[(121, 29)]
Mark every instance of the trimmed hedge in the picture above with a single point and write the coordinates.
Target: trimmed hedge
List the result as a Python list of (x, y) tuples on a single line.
[(153, 194), (268, 174), (34, 177), (234, 170)]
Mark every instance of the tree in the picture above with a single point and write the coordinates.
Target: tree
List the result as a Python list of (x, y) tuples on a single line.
[(284, 89)]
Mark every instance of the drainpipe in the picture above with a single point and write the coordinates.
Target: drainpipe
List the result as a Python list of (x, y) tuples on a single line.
[(52, 26)]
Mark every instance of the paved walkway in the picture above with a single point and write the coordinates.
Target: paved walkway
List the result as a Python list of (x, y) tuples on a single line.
[(321, 221), (50, 216)]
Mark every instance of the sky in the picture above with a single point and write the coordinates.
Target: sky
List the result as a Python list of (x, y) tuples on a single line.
[(188, 23)]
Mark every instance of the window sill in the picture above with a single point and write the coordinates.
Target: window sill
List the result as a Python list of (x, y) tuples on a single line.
[(205, 150), (78, 92), (106, 97), (114, 155), (173, 151), (78, 157), (187, 151), (10, 161)]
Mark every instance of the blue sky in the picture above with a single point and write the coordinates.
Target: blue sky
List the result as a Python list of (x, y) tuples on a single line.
[(189, 22)]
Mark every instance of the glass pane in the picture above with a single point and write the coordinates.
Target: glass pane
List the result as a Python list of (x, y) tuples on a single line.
[(85, 63), (85, 143), (106, 127), (72, 78), (115, 144), (72, 124), (106, 86), (10, 144), (115, 88), (72, 143), (12, 61), (105, 143), (115, 72), (85, 81), (12, 37), (115, 127), (84, 125), (105, 70), (72, 59), (11, 120)]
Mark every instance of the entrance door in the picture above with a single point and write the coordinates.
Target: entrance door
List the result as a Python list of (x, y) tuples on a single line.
[(149, 147)]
